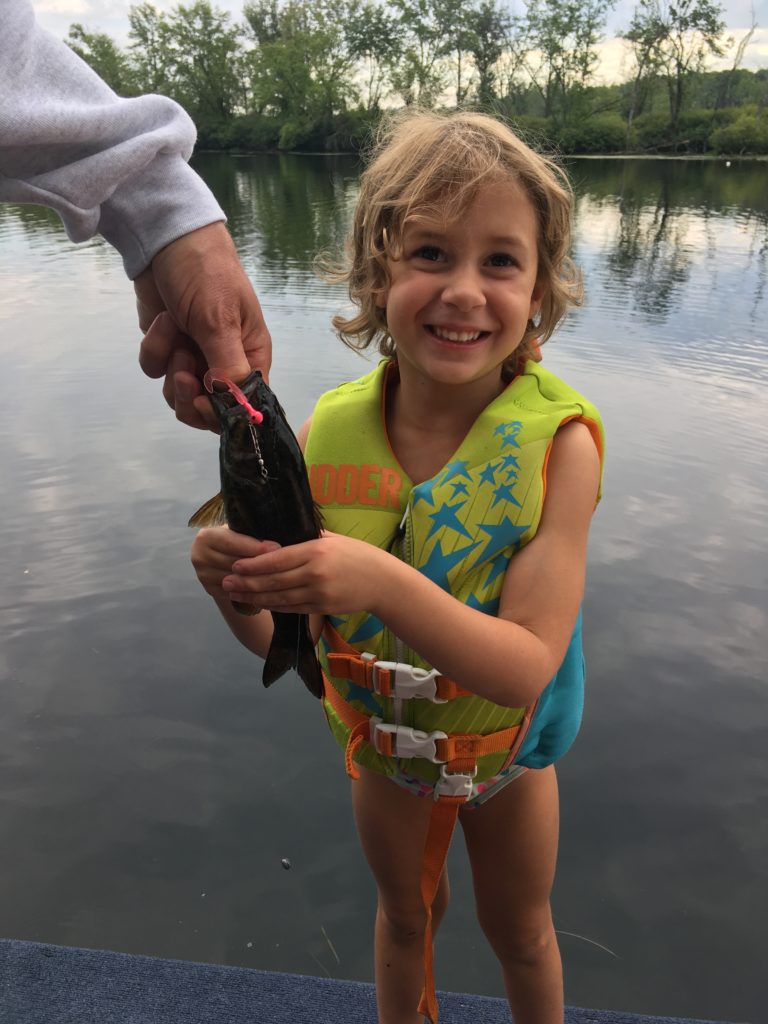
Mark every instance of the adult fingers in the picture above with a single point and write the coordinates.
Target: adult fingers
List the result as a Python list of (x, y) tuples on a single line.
[(162, 338), (204, 286), (149, 301)]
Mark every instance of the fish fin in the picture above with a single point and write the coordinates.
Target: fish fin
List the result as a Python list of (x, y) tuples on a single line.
[(318, 518), (285, 653), (211, 513)]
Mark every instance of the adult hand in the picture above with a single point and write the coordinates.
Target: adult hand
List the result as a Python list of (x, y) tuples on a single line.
[(198, 310)]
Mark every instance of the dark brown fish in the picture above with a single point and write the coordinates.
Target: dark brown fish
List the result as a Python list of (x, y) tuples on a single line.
[(265, 493)]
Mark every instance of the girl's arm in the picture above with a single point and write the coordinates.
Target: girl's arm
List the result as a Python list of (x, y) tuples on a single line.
[(214, 550), (508, 659)]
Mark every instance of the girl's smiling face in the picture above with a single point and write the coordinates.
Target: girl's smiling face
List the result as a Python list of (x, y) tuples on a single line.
[(461, 294)]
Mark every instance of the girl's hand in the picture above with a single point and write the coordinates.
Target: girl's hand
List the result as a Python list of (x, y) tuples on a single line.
[(332, 575), (215, 549)]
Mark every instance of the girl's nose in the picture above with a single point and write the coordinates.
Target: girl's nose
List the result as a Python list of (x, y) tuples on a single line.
[(464, 289)]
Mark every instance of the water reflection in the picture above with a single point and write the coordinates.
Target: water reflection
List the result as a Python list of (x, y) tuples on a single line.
[(126, 703), (295, 208)]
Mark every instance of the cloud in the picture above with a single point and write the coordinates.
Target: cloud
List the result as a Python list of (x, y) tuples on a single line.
[(111, 16), (615, 63), (67, 8)]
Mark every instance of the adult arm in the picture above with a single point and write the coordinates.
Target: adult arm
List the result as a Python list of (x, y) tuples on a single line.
[(107, 165), (118, 167)]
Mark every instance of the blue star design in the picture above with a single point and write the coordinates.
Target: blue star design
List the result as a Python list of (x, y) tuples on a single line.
[(501, 536), (423, 492), (447, 516), (510, 462), (368, 628), (498, 566), (510, 427), (488, 474), (489, 607), (456, 468), (510, 440), (504, 493), (438, 565), (364, 697), (459, 487)]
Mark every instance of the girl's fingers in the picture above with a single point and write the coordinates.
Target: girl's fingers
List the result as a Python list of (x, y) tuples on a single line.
[(273, 559), (263, 583), (292, 602), (237, 545)]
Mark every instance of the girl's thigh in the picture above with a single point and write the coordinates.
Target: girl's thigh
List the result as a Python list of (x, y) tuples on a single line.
[(512, 846), (392, 825)]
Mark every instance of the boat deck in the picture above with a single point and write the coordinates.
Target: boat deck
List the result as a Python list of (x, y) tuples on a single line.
[(46, 984)]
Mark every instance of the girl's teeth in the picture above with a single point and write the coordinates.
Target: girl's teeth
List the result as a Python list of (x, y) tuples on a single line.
[(455, 335)]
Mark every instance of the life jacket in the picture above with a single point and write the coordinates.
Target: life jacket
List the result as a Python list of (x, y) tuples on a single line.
[(387, 707)]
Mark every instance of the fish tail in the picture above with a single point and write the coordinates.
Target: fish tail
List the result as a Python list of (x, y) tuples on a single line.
[(292, 648)]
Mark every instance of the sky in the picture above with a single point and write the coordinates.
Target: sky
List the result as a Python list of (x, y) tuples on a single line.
[(111, 16)]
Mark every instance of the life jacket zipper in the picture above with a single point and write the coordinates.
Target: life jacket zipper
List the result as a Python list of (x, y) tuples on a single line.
[(401, 540)]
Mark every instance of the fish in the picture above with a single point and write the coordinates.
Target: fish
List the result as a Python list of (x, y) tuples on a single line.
[(265, 493)]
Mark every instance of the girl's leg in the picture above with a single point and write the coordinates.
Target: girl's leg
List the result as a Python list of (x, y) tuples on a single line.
[(392, 825), (512, 846)]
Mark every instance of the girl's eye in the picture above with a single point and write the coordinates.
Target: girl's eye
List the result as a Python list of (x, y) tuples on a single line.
[(502, 259), (428, 252)]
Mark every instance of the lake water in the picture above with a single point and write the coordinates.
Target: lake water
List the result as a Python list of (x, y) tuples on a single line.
[(149, 786)]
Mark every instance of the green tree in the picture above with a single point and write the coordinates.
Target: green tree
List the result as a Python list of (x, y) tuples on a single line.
[(374, 43), (677, 36), (490, 27), (150, 35), (204, 55), (302, 64), (418, 75), (453, 19), (564, 34), (728, 79), (106, 58), (647, 65)]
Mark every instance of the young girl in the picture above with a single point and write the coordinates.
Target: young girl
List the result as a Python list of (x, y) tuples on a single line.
[(457, 482)]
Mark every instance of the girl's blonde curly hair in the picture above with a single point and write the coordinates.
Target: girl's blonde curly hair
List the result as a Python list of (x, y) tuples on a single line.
[(423, 163)]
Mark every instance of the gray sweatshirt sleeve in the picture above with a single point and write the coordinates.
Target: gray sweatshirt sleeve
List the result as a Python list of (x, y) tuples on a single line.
[(112, 166)]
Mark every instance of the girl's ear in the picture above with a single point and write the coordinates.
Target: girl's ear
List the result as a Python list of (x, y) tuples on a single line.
[(537, 297), (380, 297)]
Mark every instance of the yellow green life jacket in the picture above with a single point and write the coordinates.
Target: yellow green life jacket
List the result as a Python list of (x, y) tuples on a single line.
[(460, 529)]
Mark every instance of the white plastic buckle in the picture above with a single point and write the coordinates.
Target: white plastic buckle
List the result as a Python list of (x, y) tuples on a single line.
[(407, 742), (409, 681), (454, 783)]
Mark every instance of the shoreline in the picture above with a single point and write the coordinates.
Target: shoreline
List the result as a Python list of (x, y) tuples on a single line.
[(712, 158)]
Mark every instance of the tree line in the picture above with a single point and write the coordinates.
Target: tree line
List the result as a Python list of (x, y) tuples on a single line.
[(316, 74)]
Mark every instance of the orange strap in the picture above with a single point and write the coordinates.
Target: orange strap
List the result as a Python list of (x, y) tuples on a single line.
[(453, 750), (355, 669), (346, 662), (460, 753), (442, 822)]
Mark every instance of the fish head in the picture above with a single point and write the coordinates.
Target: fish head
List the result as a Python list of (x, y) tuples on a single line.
[(247, 416)]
